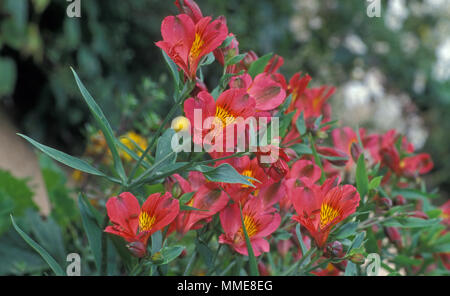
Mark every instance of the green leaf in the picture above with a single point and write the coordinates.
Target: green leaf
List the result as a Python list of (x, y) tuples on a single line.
[(8, 77), (185, 198), (208, 60), (173, 70), (350, 269), (258, 66), (169, 254), (157, 242), (302, 149), (375, 182), (164, 148), (57, 269), (410, 222), (346, 230), (362, 180), (92, 229), (64, 158), (300, 124), (104, 126), (251, 256), (236, 59), (224, 173), (300, 240)]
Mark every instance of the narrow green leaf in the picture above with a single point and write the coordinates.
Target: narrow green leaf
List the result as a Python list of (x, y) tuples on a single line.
[(173, 70), (236, 59), (57, 269), (258, 66), (300, 240), (300, 124), (64, 158), (251, 256), (104, 126), (92, 229), (375, 182), (224, 173), (362, 180)]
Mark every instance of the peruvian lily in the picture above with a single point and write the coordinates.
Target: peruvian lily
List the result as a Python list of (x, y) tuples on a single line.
[(268, 93), (207, 200), (320, 208), (186, 42), (259, 223), (219, 116), (274, 161), (248, 168), (136, 224)]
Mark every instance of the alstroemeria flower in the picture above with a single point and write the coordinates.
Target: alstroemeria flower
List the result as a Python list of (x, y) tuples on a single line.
[(259, 223), (268, 93), (248, 168), (223, 114), (136, 224), (446, 213), (274, 161), (208, 198), (312, 103), (320, 208), (187, 43)]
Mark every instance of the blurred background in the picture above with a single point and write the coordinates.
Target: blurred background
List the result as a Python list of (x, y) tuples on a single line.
[(391, 72)]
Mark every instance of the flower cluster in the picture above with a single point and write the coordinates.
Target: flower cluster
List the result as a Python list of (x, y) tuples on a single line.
[(304, 188)]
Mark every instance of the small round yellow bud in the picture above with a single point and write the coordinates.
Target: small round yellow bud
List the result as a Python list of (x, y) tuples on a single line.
[(180, 123)]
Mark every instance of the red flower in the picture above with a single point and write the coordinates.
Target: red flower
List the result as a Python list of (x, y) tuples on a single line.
[(136, 224), (274, 161), (259, 223), (268, 93), (187, 43), (208, 198), (231, 105), (320, 208), (248, 168), (446, 213), (419, 164)]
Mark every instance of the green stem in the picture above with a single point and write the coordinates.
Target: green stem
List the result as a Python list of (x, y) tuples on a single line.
[(316, 157)]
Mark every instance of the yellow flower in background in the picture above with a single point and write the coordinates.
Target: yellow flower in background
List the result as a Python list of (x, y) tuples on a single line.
[(134, 142)]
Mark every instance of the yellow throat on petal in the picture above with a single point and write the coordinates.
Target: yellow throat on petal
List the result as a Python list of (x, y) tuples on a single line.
[(327, 215), (146, 221)]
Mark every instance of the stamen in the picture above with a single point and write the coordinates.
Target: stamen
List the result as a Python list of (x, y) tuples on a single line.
[(146, 221), (225, 116), (327, 215), (196, 46), (250, 225)]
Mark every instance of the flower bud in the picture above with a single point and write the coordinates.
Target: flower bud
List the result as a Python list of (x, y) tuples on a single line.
[(419, 214), (384, 203), (355, 151), (394, 236), (399, 200), (137, 248), (334, 249), (263, 270), (157, 258), (357, 258)]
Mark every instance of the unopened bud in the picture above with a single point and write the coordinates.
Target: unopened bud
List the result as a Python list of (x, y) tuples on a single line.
[(394, 236), (355, 151), (357, 258), (399, 200), (157, 258), (419, 214), (137, 248), (384, 203), (334, 249)]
